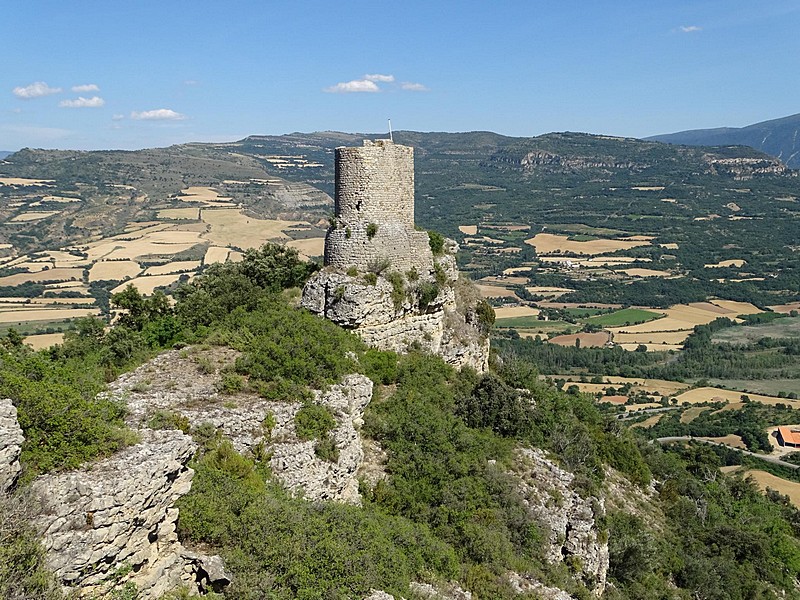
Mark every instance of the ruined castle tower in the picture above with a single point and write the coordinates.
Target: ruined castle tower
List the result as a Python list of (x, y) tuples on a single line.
[(374, 219)]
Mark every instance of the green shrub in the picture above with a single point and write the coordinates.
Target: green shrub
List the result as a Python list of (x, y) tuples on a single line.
[(486, 316), (398, 288), (439, 274), (427, 292), (231, 383), (380, 366), (379, 265), (313, 422), (167, 419), (326, 449), (372, 230), (371, 278), (436, 242), (352, 272)]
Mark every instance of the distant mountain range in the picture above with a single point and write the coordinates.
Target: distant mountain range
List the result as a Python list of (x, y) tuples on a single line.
[(4, 153), (778, 137)]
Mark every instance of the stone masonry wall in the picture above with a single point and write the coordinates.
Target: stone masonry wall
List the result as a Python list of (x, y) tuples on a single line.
[(10, 445), (375, 182)]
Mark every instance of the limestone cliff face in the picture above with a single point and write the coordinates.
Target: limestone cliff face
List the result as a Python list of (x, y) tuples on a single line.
[(10, 445), (120, 512), (568, 521), (391, 311)]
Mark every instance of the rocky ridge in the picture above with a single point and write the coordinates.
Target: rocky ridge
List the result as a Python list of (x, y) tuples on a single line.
[(389, 311), (10, 445)]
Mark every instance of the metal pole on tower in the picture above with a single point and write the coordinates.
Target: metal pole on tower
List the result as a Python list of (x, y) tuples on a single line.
[(390, 130)]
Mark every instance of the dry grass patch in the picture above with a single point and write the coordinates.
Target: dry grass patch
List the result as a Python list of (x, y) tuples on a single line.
[(44, 340), (28, 315), (645, 273), (669, 246), (505, 312), (669, 338), (766, 480), (180, 213), (48, 275), (550, 292), (33, 216), (648, 423), (648, 188), (735, 262), (147, 285), (587, 340), (691, 413), (179, 266), (785, 309), (216, 254), (21, 181), (114, 270), (231, 227), (468, 229), (652, 347), (711, 394), (734, 441), (309, 247), (548, 243), (494, 291)]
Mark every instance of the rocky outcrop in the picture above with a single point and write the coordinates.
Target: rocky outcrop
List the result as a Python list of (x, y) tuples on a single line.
[(396, 311), (743, 169), (10, 445), (116, 517), (568, 521), (295, 463)]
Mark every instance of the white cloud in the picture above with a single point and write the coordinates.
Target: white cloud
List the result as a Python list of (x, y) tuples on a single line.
[(159, 114), (81, 102), (87, 87), (349, 87), (191, 82), (35, 90), (413, 87), (690, 28), (117, 117), (381, 78)]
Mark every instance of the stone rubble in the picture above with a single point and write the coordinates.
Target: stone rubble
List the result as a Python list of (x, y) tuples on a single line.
[(10, 445)]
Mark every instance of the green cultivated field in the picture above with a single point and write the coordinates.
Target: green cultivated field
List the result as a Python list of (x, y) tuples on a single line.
[(787, 327), (626, 316)]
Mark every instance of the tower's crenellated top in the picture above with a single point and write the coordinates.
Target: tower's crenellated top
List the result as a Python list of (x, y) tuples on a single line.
[(375, 183)]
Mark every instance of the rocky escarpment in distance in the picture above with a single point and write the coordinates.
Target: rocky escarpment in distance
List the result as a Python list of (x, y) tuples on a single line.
[(10, 445)]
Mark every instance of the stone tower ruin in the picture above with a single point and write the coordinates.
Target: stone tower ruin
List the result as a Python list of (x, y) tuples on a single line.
[(374, 210)]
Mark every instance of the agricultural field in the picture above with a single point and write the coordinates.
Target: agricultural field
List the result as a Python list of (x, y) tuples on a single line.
[(625, 316), (710, 394), (548, 243)]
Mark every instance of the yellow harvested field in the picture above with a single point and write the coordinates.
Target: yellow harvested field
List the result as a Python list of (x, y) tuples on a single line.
[(231, 227), (505, 280), (180, 213), (60, 199), (44, 340), (515, 270), (154, 241), (651, 386), (736, 262), (23, 181), (768, 480), (646, 273), (49, 275), (785, 309), (147, 285), (215, 254), (200, 194), (179, 266), (669, 246), (738, 308), (655, 337), (686, 316), (734, 441), (691, 413), (600, 261), (505, 312), (643, 406), (309, 247), (647, 423), (114, 270), (552, 292), (71, 285), (60, 301), (652, 347), (493, 291), (26, 315), (587, 340), (468, 229), (711, 394), (507, 227), (548, 243), (33, 216)]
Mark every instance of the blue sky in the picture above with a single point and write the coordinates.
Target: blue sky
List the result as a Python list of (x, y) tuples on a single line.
[(93, 74)]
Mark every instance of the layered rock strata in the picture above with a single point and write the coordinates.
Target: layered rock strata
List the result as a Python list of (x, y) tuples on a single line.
[(10, 445), (114, 521)]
